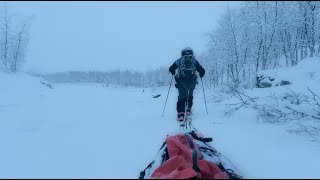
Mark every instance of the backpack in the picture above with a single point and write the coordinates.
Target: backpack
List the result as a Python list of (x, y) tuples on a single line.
[(186, 156), (187, 68)]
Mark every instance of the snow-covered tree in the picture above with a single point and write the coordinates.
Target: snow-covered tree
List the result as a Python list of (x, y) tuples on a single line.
[(261, 35)]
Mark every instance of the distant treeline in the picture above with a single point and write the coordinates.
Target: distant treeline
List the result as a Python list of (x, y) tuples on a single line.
[(158, 77)]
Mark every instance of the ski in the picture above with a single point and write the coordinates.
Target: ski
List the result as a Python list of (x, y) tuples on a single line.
[(186, 123)]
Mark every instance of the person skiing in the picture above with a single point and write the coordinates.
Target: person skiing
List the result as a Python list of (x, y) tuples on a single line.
[(186, 80)]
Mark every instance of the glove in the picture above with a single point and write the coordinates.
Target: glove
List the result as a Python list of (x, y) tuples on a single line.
[(173, 73), (201, 75)]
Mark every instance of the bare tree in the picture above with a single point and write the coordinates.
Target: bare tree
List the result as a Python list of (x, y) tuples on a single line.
[(19, 46), (5, 37), (14, 36)]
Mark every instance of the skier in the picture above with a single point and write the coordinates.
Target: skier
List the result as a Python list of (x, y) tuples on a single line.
[(186, 80)]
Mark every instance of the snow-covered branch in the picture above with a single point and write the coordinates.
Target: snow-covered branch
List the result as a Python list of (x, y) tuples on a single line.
[(302, 111)]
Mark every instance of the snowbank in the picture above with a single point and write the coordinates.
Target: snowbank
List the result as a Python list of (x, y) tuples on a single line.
[(295, 105), (304, 73), (21, 87)]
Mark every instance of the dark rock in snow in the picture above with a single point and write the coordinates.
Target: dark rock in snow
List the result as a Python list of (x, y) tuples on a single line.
[(157, 96)]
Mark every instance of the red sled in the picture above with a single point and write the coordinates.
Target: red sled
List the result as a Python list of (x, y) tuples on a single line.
[(188, 156)]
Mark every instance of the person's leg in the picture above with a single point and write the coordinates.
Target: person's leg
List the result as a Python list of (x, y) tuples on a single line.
[(181, 105), (190, 96), (190, 102), (182, 98)]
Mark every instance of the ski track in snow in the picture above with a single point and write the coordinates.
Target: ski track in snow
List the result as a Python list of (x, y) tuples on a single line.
[(90, 131)]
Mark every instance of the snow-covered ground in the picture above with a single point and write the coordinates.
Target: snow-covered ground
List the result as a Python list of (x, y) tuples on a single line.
[(91, 131)]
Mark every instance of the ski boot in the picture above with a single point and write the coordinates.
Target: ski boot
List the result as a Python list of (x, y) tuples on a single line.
[(180, 116)]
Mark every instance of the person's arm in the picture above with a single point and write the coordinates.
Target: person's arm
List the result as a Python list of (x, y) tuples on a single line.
[(173, 67), (200, 69)]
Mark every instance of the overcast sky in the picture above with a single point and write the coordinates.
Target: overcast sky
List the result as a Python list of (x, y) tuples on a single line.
[(108, 35)]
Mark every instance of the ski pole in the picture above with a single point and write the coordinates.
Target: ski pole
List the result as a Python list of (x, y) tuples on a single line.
[(167, 97), (204, 96)]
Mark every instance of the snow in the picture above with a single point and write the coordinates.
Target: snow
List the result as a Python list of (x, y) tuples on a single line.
[(304, 73), (91, 131)]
